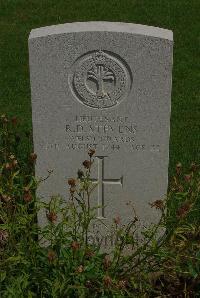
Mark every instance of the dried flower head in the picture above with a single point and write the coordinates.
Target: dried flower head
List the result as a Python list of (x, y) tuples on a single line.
[(14, 163), (72, 189), (178, 168), (27, 196), (72, 181), (6, 198), (51, 256), (117, 220), (107, 280), (14, 121), (4, 119), (122, 284), (89, 253), (33, 157), (75, 245), (183, 210), (193, 167), (87, 164), (158, 204), (52, 216), (106, 262), (91, 152), (3, 237), (80, 269), (88, 284), (188, 177), (180, 188), (26, 189), (8, 166)]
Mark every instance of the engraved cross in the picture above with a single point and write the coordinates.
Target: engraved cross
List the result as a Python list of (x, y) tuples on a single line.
[(101, 182)]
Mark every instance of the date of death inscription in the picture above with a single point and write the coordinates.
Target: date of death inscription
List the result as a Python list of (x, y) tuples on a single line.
[(102, 133)]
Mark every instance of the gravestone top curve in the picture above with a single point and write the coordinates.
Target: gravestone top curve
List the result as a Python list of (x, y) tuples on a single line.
[(102, 26)]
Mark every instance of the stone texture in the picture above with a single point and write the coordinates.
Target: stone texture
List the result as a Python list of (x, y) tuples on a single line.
[(106, 86)]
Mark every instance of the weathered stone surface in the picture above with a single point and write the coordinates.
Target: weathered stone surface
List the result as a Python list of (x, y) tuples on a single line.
[(106, 86)]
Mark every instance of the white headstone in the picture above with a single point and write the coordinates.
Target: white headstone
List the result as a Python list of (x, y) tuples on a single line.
[(105, 86)]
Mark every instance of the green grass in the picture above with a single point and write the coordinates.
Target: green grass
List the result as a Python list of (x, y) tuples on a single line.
[(18, 17)]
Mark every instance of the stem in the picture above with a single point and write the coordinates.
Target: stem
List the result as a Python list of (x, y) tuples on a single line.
[(142, 248), (88, 201), (122, 244)]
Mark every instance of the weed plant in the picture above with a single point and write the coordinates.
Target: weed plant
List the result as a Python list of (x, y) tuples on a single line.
[(58, 260)]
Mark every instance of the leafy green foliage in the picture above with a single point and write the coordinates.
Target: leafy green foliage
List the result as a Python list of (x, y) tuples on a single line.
[(58, 260)]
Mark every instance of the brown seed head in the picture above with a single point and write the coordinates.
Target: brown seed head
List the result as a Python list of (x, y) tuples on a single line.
[(158, 204), (4, 119), (122, 284), (6, 198), (52, 216), (26, 189), (8, 166), (80, 269), (87, 164), (183, 210), (3, 237), (91, 152), (106, 262), (33, 157), (88, 284), (180, 188), (27, 197), (89, 254), (117, 220), (188, 177), (178, 168), (193, 167), (72, 182), (75, 245), (14, 121), (51, 256), (14, 163), (107, 280), (72, 189)]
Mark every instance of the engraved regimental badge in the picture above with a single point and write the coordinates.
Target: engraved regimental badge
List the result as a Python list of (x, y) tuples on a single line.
[(100, 79)]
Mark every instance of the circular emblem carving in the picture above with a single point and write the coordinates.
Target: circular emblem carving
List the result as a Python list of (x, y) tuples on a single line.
[(100, 80)]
